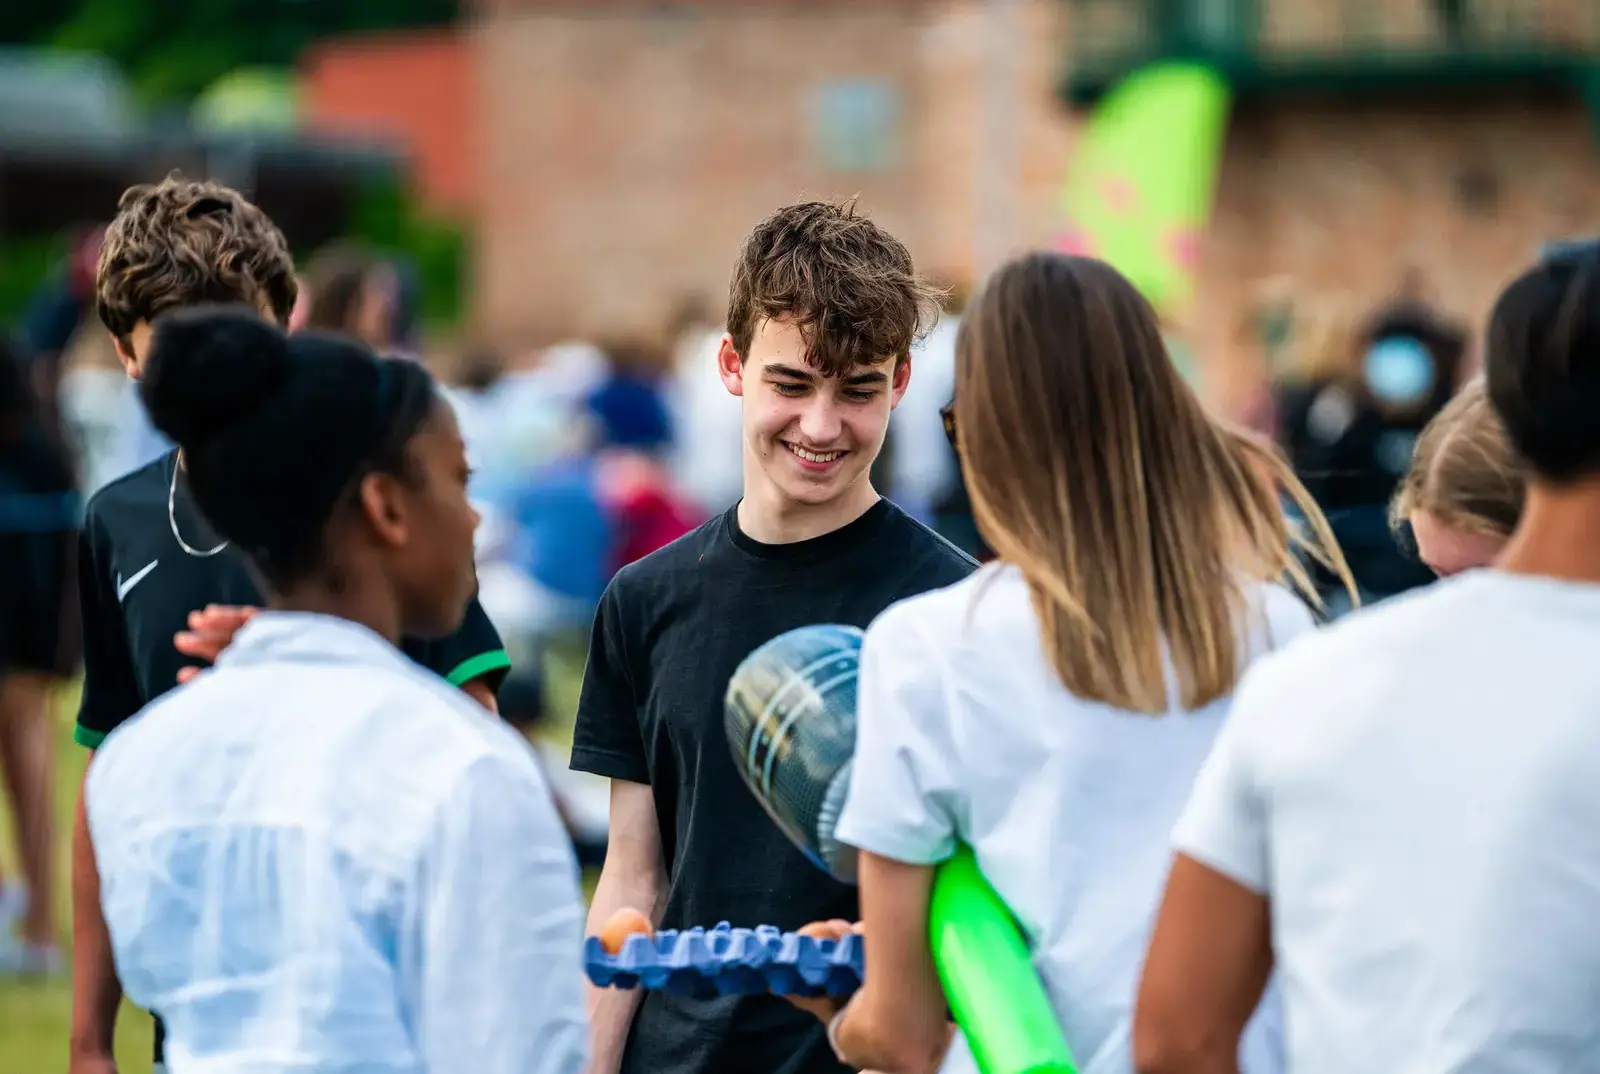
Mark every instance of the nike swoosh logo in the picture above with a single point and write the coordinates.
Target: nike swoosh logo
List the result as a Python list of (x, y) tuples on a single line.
[(124, 588)]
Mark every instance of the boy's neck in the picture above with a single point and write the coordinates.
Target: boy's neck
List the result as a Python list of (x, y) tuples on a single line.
[(768, 516), (1559, 533)]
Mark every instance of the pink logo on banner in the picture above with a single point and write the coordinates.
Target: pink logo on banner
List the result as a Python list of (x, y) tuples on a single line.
[(1183, 245), (1075, 243)]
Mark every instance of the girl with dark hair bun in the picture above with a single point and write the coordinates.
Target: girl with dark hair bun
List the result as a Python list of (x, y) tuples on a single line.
[(361, 864)]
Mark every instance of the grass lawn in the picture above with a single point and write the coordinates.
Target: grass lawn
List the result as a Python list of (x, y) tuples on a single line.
[(34, 1019)]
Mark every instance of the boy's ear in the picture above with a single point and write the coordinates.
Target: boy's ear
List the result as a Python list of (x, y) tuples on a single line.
[(730, 367), (125, 355), (899, 381)]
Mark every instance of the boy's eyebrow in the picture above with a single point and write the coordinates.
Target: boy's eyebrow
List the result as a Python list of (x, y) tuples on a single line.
[(871, 376), (854, 380), (778, 369)]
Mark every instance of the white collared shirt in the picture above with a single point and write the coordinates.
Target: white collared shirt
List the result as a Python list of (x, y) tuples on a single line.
[(320, 857)]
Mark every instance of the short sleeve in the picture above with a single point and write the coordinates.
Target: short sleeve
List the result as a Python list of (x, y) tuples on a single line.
[(111, 691), (475, 652), (1224, 824), (605, 739), (903, 802)]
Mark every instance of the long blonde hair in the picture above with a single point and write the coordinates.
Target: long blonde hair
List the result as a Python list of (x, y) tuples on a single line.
[(1136, 519)]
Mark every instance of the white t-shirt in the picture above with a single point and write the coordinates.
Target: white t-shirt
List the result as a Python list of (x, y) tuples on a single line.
[(1417, 790), (964, 732)]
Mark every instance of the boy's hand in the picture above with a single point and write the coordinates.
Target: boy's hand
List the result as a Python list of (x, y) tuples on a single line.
[(211, 630)]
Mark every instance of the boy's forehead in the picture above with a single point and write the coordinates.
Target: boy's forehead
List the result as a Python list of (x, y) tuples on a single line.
[(780, 348), (800, 367)]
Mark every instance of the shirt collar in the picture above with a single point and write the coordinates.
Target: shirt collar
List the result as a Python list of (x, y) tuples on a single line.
[(307, 638)]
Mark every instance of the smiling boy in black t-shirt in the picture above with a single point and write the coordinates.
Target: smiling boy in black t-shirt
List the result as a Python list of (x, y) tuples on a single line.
[(823, 309)]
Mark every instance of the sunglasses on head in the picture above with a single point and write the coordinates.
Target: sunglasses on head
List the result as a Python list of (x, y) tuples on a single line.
[(947, 414)]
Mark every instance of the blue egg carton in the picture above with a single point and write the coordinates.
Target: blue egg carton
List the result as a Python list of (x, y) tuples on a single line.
[(725, 961)]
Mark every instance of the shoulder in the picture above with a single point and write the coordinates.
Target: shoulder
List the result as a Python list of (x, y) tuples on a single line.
[(129, 494), (668, 566), (1309, 669), (930, 620), (924, 551), (1277, 615), (443, 721)]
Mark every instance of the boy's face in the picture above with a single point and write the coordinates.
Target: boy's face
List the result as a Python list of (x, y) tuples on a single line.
[(812, 437)]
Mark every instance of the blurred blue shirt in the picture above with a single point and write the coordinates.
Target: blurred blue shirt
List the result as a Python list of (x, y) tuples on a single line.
[(320, 857)]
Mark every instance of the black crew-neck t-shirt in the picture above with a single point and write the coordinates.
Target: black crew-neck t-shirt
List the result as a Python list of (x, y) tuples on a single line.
[(668, 635)]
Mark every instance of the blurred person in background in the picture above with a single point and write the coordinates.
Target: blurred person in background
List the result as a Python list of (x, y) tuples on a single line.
[(1399, 814), (1350, 422), (39, 648), (151, 569), (1052, 709), (95, 410), (607, 501), (352, 291), (1463, 496), (705, 458), (55, 312), (921, 466)]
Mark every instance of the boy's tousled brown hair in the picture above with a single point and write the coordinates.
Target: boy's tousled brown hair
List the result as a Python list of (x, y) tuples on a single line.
[(845, 283), (183, 242)]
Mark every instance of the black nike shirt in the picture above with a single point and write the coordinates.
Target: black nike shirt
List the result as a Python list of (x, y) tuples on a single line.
[(137, 586), (670, 631)]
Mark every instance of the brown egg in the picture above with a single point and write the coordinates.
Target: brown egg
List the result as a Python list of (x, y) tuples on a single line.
[(824, 930), (620, 925)]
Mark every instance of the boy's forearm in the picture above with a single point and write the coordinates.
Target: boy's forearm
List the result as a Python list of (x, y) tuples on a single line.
[(611, 1010)]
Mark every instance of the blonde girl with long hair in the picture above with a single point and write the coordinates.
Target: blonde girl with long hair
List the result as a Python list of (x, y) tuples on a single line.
[(1052, 710)]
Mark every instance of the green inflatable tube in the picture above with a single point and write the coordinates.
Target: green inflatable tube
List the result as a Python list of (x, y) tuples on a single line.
[(988, 976)]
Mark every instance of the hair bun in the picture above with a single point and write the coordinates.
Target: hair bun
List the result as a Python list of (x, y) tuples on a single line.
[(211, 368)]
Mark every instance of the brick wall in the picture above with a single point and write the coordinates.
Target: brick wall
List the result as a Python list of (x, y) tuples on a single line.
[(627, 148), (413, 90)]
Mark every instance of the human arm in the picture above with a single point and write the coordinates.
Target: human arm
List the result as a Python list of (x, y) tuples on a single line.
[(96, 992), (606, 742), (897, 1022), (1211, 951), (1207, 967), (899, 813), (632, 876), (110, 695), (492, 948)]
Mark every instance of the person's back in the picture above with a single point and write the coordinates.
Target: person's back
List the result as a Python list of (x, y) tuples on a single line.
[(1434, 872), (1400, 814), (273, 916), (1067, 803)]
